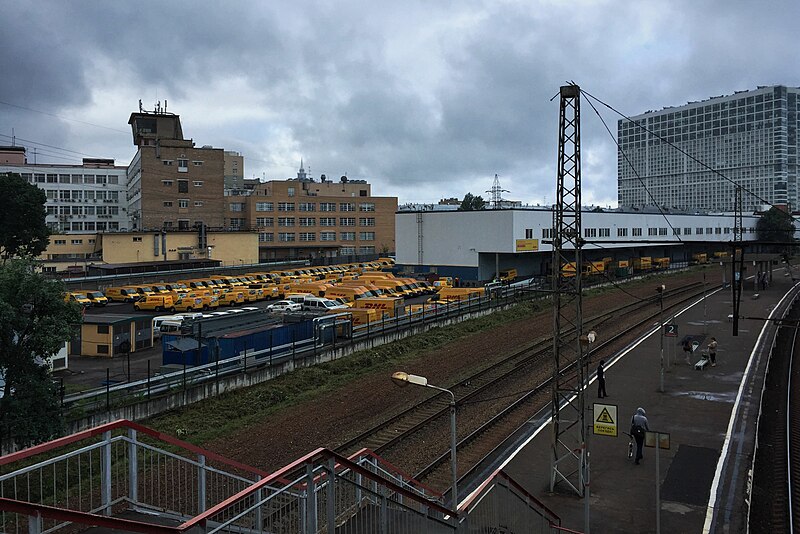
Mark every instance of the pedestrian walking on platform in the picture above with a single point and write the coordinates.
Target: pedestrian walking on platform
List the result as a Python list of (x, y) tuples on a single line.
[(601, 380), (712, 352), (638, 429), (687, 350)]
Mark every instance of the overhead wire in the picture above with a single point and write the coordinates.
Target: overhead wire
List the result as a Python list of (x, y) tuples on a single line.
[(61, 118)]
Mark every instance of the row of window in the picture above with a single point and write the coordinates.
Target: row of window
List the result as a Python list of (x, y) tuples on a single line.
[(547, 233), (183, 203), (72, 241), (66, 195), (82, 210), (85, 226), (312, 221), (307, 206), (183, 185), (266, 237), (37, 178)]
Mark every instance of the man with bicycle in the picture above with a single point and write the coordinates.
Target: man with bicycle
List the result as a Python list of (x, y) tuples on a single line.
[(638, 429)]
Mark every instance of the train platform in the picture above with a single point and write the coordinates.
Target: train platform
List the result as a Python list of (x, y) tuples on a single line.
[(709, 414)]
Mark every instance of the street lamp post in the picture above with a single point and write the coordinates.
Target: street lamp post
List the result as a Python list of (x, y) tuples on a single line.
[(402, 379), (660, 330)]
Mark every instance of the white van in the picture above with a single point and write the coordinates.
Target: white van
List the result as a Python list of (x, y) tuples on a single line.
[(171, 327), (159, 320), (321, 304)]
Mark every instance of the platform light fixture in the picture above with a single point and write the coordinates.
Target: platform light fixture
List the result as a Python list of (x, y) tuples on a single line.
[(402, 379)]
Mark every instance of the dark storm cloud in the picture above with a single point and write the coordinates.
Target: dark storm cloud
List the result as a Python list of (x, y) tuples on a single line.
[(424, 100)]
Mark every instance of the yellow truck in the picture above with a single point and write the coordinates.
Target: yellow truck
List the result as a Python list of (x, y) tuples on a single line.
[(361, 315), (457, 294), (390, 307), (154, 302), (95, 297), (80, 298), (122, 294)]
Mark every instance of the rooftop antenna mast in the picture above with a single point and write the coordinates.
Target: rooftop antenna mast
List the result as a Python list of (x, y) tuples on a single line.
[(569, 462), (497, 193)]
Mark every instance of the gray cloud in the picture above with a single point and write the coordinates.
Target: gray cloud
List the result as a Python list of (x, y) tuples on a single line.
[(425, 101)]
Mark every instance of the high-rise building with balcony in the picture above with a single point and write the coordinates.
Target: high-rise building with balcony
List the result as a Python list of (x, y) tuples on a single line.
[(747, 139)]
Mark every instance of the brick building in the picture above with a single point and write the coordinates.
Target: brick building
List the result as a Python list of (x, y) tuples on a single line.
[(171, 183), (304, 218)]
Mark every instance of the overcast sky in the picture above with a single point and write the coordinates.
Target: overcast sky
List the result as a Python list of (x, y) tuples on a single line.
[(425, 100)]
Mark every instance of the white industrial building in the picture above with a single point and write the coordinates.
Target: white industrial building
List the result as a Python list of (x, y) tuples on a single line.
[(474, 244), (80, 198)]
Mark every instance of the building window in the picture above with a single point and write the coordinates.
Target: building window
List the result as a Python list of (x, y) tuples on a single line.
[(237, 223), (197, 183), (547, 233), (347, 251), (166, 183), (137, 239), (183, 186), (102, 329), (676, 231), (197, 164), (327, 221), (328, 236), (60, 241), (264, 221), (698, 231), (285, 221), (285, 236), (622, 232), (308, 236), (266, 237), (366, 206), (366, 236), (636, 232), (263, 206), (345, 236), (528, 233), (167, 162), (366, 250), (285, 206), (605, 232), (327, 206), (77, 242), (167, 203), (183, 202), (687, 231), (347, 221), (236, 206), (183, 224), (290, 191), (717, 230), (347, 206), (590, 232), (183, 165), (198, 203), (652, 231), (308, 221), (662, 231), (366, 221), (308, 206)]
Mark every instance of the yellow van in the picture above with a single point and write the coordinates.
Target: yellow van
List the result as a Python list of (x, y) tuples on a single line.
[(145, 291), (390, 307), (186, 303), (154, 302), (231, 298), (95, 297), (348, 293), (122, 294), (208, 298), (80, 298)]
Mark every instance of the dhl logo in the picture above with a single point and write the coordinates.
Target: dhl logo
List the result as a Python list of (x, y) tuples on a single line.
[(376, 305)]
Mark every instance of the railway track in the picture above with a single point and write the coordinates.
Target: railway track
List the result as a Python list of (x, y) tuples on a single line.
[(510, 389)]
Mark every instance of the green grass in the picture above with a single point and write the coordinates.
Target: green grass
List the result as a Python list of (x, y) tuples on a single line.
[(219, 416)]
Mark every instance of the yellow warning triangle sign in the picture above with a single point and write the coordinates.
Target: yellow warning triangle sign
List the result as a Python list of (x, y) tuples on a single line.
[(605, 417)]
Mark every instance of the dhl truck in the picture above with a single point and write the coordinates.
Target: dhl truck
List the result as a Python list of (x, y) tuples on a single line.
[(644, 263), (391, 307), (360, 315), (661, 263), (700, 258), (456, 294)]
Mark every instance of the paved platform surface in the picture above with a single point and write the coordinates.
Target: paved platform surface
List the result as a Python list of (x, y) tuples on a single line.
[(703, 476)]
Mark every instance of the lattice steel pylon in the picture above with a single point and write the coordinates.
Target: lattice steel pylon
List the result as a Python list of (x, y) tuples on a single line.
[(737, 259), (568, 455)]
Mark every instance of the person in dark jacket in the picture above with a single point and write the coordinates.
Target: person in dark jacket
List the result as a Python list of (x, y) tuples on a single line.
[(601, 380), (638, 428)]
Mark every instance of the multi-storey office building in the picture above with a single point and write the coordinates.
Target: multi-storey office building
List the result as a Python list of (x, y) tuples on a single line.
[(303, 218), (749, 137), (172, 184), (80, 198)]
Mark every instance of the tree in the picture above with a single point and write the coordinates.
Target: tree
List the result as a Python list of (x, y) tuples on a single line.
[(35, 321), (23, 231), (775, 226), (472, 203)]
